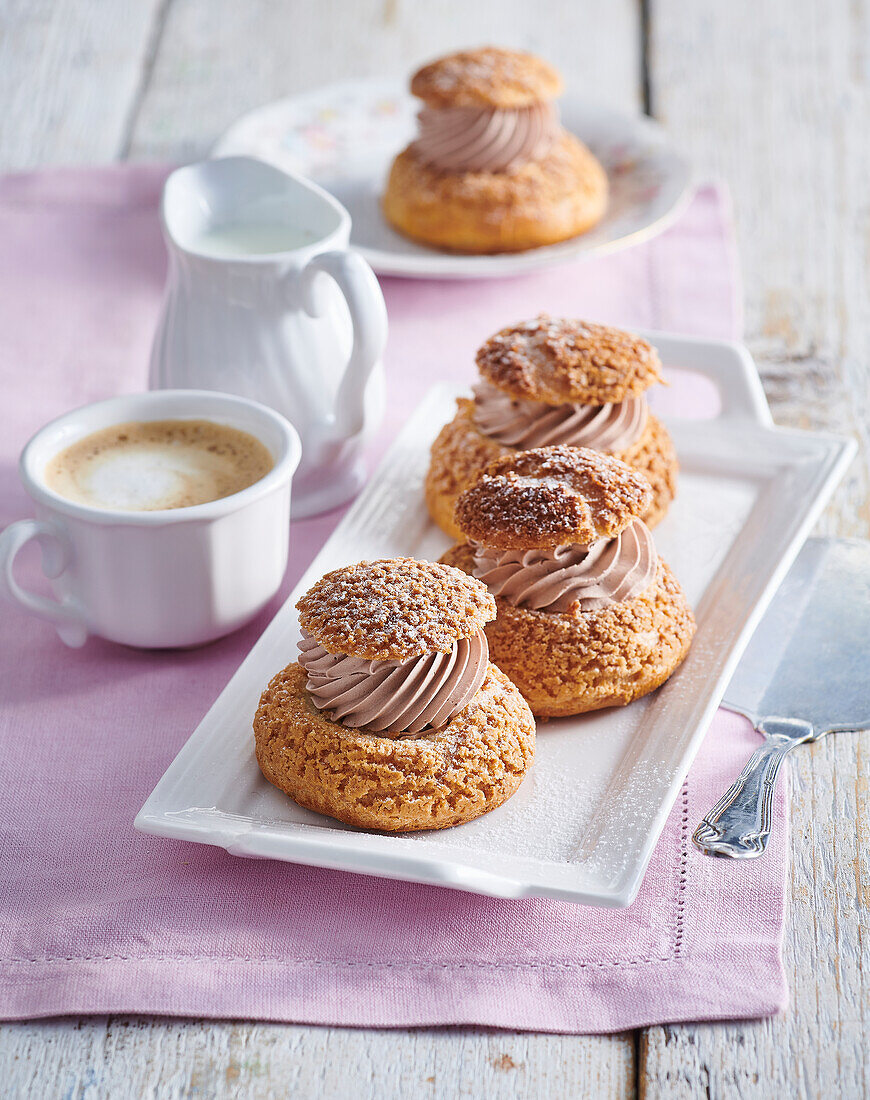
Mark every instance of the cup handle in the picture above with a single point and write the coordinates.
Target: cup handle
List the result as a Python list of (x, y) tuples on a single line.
[(368, 314), (55, 558)]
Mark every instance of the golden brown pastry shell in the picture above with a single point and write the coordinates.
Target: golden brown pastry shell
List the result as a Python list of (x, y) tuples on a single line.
[(558, 360), (488, 76), (570, 664), (542, 202), (462, 451), (548, 497), (393, 609), (396, 785)]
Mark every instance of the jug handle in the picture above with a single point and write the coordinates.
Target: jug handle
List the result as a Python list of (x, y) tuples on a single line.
[(368, 314)]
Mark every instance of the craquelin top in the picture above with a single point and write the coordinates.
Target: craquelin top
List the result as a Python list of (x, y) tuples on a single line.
[(558, 360), (394, 609), (551, 496), (487, 77)]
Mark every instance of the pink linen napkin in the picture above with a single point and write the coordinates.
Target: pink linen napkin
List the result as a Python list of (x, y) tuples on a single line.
[(97, 918)]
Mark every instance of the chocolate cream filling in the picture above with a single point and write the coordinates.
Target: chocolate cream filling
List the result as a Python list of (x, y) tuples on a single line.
[(484, 139), (573, 577), (411, 696), (526, 424)]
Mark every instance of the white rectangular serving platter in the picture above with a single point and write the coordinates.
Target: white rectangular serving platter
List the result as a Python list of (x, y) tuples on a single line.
[(584, 823)]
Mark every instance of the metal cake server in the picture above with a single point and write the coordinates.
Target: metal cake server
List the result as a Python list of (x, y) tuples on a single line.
[(805, 673)]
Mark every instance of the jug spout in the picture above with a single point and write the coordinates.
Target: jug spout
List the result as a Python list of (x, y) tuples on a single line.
[(240, 209)]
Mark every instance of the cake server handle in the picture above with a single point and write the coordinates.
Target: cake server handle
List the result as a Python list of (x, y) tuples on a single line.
[(738, 825)]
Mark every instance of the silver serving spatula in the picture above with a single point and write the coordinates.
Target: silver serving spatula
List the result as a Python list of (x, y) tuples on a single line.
[(805, 673)]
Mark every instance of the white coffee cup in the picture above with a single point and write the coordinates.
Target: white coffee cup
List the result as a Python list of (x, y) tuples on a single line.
[(174, 577)]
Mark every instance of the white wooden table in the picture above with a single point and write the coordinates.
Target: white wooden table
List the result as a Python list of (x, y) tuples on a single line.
[(774, 97)]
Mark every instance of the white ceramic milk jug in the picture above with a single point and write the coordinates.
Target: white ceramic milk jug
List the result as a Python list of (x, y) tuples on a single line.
[(263, 299)]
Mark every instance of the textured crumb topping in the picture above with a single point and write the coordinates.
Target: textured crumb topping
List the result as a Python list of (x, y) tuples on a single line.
[(550, 496), (394, 609), (487, 77), (558, 360)]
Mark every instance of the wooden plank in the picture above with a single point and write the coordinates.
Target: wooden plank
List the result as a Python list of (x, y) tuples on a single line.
[(70, 73), (787, 131), (177, 1059), (774, 98), (219, 58)]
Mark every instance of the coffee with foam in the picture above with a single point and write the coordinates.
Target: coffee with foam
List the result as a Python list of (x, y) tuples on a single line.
[(150, 465)]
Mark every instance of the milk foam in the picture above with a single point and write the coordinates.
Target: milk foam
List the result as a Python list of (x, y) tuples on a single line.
[(156, 465)]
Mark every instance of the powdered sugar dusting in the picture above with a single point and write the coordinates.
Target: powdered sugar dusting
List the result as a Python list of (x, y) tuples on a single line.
[(558, 800), (548, 496), (394, 609), (488, 76), (559, 360)]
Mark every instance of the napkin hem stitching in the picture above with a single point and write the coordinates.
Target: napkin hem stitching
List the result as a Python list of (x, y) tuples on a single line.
[(684, 873), (410, 965)]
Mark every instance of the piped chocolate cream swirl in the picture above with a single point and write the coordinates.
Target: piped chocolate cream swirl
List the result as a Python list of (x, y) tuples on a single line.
[(485, 139), (397, 697), (574, 577), (526, 424)]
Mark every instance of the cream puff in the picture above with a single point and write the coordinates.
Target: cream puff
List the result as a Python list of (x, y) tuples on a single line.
[(589, 615), (393, 718), (492, 169)]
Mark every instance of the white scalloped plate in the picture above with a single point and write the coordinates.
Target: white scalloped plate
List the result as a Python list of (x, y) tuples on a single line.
[(584, 823), (345, 136)]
